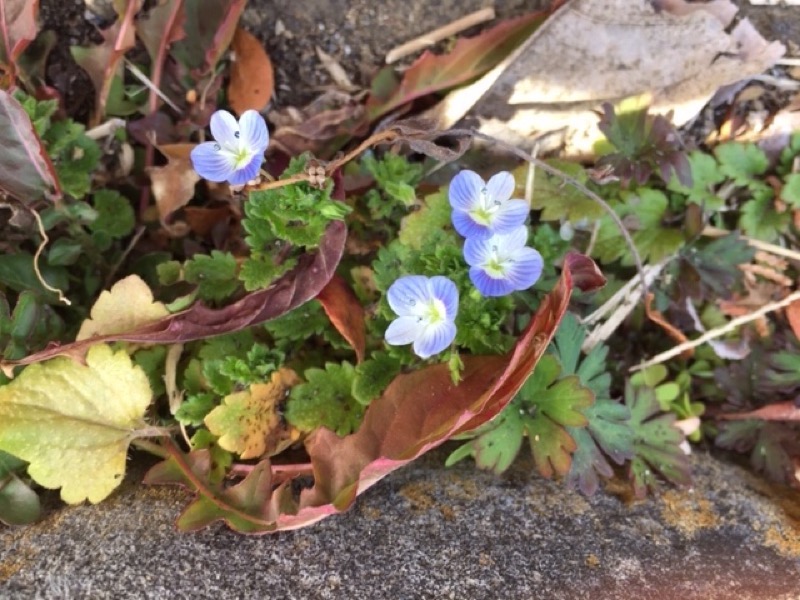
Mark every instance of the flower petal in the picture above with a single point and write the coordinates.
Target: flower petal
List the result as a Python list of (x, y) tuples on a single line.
[(254, 133), (409, 295), (501, 186), (445, 290), (403, 330), (466, 226), (224, 127), (489, 286), (212, 163), (477, 250), (248, 172), (525, 270), (510, 242), (511, 214), (434, 338), (465, 189)]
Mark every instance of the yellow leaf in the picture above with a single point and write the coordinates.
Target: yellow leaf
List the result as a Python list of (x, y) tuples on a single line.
[(128, 305), (73, 423), (249, 422)]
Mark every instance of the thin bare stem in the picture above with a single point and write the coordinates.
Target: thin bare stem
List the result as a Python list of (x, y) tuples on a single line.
[(37, 256)]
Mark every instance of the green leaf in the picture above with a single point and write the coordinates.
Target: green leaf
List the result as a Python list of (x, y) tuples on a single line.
[(741, 162), (64, 252), (558, 201), (717, 263), (19, 504), (73, 423), (567, 348), (706, 176), (791, 190), (759, 219), (656, 442), (17, 272), (259, 273), (115, 216), (325, 400), (195, 407), (420, 225), (214, 274), (373, 375)]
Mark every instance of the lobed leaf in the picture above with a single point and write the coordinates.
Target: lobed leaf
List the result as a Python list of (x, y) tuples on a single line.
[(73, 423)]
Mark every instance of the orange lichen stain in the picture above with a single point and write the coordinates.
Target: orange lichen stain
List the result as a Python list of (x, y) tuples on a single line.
[(592, 561), (448, 513), (419, 495), (485, 560), (785, 542), (687, 513), (370, 512)]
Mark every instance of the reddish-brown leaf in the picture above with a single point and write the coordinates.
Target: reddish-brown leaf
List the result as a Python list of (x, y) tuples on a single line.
[(793, 316), (26, 172), (252, 81), (298, 286), (780, 411), (17, 29), (345, 313), (417, 412), (431, 73)]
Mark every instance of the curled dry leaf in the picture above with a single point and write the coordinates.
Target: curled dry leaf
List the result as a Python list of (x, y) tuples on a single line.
[(252, 81), (173, 184), (417, 412)]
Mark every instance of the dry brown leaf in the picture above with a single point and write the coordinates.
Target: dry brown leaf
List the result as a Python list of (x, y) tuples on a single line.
[(173, 184), (593, 51), (252, 80)]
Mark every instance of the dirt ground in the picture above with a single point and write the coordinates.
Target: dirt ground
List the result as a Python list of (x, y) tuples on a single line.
[(357, 33)]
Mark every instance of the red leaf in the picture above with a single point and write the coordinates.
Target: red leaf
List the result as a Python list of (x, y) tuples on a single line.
[(431, 73), (297, 287), (26, 172), (252, 81), (17, 29), (793, 316), (102, 62), (417, 412), (345, 313), (780, 411)]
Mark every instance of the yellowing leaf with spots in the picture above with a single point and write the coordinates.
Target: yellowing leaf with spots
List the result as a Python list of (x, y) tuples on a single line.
[(127, 305), (73, 423), (249, 422)]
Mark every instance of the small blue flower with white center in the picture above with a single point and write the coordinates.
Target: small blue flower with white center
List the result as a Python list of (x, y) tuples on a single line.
[(238, 150), (502, 264), (426, 309), (484, 208)]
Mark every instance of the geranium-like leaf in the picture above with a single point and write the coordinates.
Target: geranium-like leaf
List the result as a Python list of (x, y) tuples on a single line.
[(558, 201), (771, 445), (26, 172), (656, 443), (249, 422), (430, 73), (296, 287), (345, 313), (716, 265), (417, 412), (73, 423), (127, 305)]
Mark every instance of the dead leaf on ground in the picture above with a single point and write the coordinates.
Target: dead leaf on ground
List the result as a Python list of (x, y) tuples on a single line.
[(793, 316), (173, 185), (322, 127), (593, 51), (252, 80)]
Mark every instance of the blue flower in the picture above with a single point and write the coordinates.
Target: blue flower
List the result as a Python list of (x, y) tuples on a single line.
[(426, 309), (482, 209), (502, 264), (238, 150)]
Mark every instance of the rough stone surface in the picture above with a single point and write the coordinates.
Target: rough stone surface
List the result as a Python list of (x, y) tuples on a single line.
[(429, 532)]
